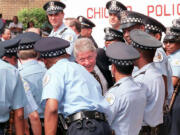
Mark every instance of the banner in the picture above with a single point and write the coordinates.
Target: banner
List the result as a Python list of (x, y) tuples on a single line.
[(163, 10)]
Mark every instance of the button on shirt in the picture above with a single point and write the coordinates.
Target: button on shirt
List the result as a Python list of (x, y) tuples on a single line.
[(174, 60), (73, 87), (127, 100), (66, 34), (12, 95), (33, 72), (151, 77)]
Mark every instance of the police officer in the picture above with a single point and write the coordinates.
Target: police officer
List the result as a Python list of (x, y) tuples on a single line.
[(54, 10), (155, 28), (172, 47), (131, 20), (152, 78), (32, 73), (114, 8), (112, 35), (12, 96), (127, 98), (86, 29), (11, 48), (69, 89)]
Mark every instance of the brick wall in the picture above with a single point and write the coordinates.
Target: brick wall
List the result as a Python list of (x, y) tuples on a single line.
[(10, 8)]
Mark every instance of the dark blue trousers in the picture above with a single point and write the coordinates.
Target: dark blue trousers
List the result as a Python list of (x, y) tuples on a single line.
[(89, 127)]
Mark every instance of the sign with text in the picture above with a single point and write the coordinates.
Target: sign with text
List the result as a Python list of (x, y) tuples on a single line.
[(163, 10)]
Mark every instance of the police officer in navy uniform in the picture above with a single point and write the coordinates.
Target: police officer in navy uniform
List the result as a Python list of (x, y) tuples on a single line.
[(114, 8), (152, 78), (12, 96), (172, 47), (54, 10), (86, 29), (127, 98), (69, 89)]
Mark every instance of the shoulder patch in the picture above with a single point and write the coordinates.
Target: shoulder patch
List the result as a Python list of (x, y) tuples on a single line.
[(26, 85), (175, 62), (110, 98), (69, 37), (158, 57), (46, 79)]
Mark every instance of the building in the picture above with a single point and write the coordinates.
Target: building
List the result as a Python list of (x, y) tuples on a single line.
[(10, 8)]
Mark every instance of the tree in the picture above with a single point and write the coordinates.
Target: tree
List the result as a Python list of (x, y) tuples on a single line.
[(37, 15)]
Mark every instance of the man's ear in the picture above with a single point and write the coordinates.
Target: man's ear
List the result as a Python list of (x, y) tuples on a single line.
[(142, 27), (157, 36), (4, 58), (113, 69)]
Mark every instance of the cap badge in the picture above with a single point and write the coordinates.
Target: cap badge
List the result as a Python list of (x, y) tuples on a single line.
[(123, 15), (80, 19), (113, 4), (51, 4)]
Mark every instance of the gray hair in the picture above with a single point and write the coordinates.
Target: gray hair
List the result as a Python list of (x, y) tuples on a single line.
[(82, 45)]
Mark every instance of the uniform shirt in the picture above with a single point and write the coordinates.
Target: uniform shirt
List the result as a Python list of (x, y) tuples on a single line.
[(163, 65), (151, 77), (174, 60), (33, 72), (66, 34), (73, 87), (12, 95), (127, 100), (31, 105)]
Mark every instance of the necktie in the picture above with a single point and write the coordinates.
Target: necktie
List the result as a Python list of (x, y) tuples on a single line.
[(97, 78)]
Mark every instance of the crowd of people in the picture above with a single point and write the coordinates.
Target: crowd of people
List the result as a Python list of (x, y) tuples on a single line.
[(63, 83)]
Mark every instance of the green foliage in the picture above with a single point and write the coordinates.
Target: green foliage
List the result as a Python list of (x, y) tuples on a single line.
[(37, 15)]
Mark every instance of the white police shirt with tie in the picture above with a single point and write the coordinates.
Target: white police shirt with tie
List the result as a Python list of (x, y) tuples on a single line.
[(152, 78)]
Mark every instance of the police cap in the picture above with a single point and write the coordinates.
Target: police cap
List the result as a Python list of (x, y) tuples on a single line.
[(53, 7), (85, 23), (113, 34), (2, 51), (172, 34), (153, 26), (143, 40), (10, 46), (51, 47), (27, 40), (130, 18), (115, 7), (121, 54)]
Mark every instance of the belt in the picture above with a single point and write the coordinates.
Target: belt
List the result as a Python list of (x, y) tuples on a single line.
[(148, 129), (85, 115)]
